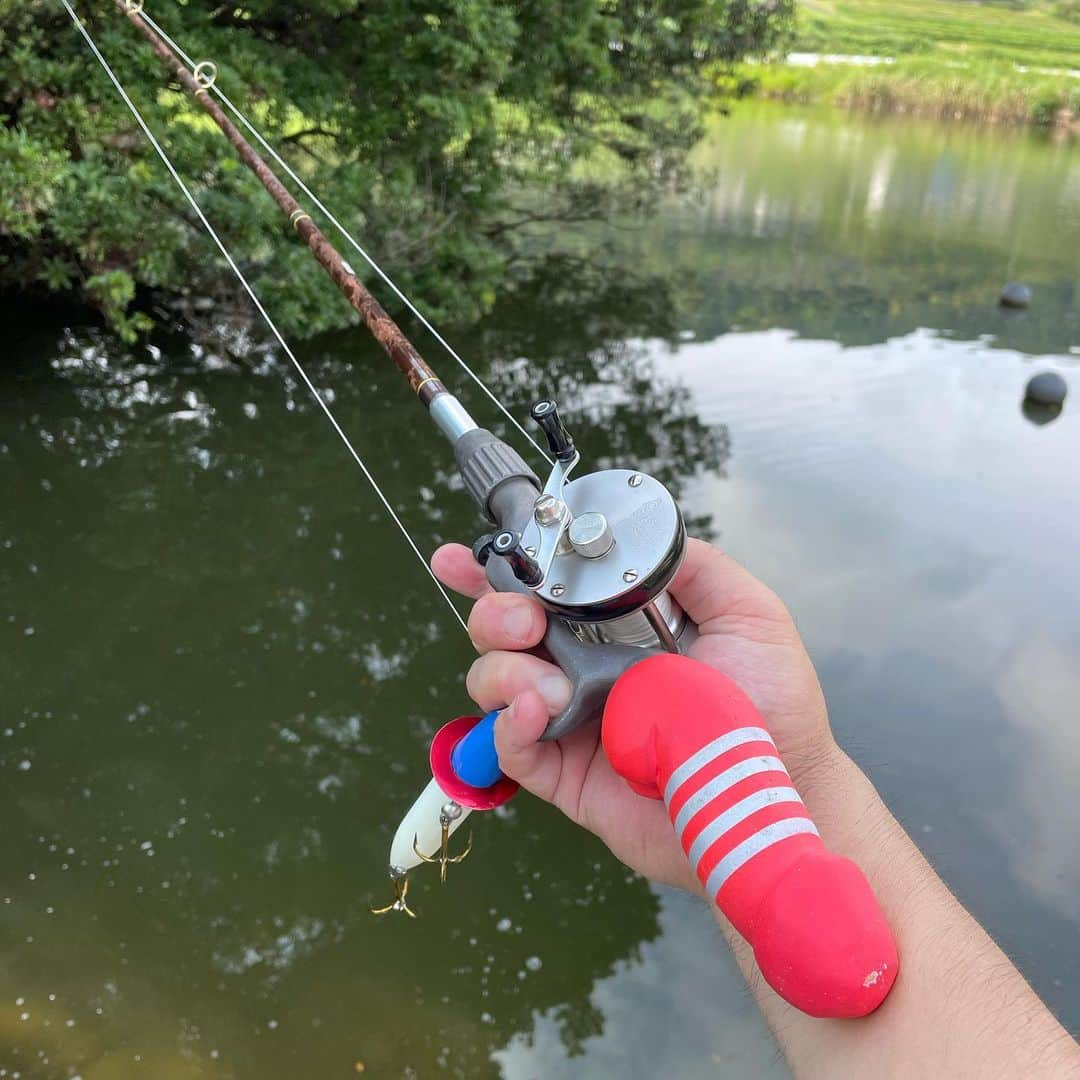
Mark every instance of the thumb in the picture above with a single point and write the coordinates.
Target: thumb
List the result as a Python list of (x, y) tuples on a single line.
[(534, 765)]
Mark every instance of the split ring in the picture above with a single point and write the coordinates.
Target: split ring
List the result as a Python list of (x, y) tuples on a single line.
[(205, 72)]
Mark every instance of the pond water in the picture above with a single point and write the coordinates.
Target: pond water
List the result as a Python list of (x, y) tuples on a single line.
[(221, 666)]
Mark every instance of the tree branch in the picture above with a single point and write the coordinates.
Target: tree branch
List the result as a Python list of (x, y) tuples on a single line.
[(297, 136)]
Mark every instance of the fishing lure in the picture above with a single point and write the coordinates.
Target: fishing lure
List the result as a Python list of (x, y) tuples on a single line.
[(599, 553)]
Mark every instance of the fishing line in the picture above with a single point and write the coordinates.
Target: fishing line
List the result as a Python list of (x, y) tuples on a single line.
[(346, 235), (259, 307)]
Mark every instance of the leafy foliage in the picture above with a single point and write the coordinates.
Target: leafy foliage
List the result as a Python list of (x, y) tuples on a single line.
[(435, 132)]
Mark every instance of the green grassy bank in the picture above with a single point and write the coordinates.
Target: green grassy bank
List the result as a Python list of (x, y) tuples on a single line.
[(997, 62)]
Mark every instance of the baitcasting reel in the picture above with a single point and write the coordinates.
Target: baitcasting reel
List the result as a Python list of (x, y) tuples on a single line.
[(598, 551)]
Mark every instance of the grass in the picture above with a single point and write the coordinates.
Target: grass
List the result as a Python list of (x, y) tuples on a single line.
[(997, 62)]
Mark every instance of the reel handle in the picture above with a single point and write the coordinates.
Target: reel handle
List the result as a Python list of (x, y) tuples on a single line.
[(679, 730)]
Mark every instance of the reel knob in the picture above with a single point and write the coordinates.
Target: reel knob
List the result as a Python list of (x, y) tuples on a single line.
[(507, 545), (560, 442), (481, 549)]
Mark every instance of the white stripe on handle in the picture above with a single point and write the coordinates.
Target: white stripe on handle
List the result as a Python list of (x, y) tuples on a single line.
[(714, 832), (738, 813), (719, 784), (744, 852), (710, 752)]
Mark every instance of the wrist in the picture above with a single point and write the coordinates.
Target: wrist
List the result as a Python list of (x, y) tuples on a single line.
[(844, 805), (816, 764)]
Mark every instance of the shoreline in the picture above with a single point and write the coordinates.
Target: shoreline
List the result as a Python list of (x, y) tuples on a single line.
[(888, 85), (979, 62)]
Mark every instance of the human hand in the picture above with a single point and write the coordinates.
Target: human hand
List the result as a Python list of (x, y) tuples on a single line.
[(745, 632)]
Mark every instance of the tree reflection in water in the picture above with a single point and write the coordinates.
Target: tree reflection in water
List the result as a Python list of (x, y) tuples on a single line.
[(233, 672)]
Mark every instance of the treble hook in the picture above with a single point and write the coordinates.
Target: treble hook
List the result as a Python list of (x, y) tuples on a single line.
[(401, 889), (447, 816)]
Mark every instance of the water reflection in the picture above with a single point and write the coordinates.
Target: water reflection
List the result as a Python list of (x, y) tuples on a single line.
[(228, 674), (916, 482), (1039, 415), (678, 999), (221, 667), (862, 231)]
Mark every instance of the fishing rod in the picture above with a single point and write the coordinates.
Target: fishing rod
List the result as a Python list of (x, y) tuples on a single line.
[(599, 553)]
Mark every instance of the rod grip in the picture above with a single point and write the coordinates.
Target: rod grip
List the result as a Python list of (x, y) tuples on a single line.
[(679, 730)]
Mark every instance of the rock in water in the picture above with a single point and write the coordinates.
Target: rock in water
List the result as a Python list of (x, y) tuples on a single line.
[(1046, 388), (1015, 295), (1040, 415)]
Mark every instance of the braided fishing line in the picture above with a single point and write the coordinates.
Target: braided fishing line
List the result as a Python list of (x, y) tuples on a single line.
[(259, 307), (346, 235)]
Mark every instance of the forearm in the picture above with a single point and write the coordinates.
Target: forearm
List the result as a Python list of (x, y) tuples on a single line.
[(959, 1006)]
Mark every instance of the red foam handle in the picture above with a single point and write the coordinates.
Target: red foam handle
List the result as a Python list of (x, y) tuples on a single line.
[(681, 731)]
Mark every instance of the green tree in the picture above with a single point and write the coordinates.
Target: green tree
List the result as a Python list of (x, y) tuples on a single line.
[(436, 130)]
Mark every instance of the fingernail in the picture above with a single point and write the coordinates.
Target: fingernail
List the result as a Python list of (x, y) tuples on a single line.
[(555, 690), (517, 622)]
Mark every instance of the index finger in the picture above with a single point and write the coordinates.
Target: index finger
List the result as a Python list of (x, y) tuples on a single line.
[(455, 567)]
